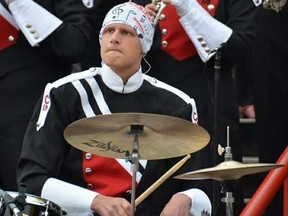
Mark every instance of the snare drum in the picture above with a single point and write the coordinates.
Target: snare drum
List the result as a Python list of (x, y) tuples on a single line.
[(35, 206)]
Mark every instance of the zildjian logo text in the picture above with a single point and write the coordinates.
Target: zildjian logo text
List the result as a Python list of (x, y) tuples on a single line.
[(104, 146)]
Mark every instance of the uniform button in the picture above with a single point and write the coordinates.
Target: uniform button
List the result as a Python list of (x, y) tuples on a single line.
[(164, 44), (28, 25), (207, 50), (164, 31), (36, 36), (158, 5), (88, 3), (11, 38), (211, 7), (88, 170), (32, 30), (90, 186), (162, 17), (200, 38), (203, 43), (88, 156)]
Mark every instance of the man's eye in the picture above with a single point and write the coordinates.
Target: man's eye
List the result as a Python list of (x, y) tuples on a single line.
[(109, 30), (126, 33)]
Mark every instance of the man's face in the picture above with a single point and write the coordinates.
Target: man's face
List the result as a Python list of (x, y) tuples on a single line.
[(121, 48)]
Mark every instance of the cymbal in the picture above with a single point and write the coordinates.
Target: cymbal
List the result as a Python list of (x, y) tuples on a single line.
[(228, 170), (161, 137)]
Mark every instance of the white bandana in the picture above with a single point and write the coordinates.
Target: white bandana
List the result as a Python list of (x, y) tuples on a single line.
[(133, 15)]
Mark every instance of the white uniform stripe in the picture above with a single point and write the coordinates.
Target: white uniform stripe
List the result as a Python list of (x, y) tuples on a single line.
[(153, 81), (75, 76), (143, 163), (46, 103), (128, 167), (84, 99), (181, 94), (98, 96), (194, 113)]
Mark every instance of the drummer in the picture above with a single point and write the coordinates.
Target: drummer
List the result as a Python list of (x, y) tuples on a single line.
[(83, 183)]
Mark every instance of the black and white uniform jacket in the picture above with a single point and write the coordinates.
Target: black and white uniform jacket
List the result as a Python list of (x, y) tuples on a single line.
[(51, 168)]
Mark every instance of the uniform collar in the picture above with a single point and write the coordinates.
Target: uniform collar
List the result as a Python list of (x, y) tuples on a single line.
[(115, 82)]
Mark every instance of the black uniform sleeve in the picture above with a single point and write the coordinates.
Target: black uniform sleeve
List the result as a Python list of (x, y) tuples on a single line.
[(43, 150), (71, 39), (239, 16)]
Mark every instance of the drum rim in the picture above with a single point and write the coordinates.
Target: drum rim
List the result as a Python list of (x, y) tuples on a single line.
[(36, 200)]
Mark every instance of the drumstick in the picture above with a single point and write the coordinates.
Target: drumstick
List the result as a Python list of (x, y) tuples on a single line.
[(161, 180)]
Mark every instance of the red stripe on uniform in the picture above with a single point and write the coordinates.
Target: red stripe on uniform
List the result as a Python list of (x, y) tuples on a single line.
[(107, 176)]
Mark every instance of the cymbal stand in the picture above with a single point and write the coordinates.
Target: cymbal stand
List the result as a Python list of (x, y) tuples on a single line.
[(215, 99), (134, 157), (228, 199), (228, 153)]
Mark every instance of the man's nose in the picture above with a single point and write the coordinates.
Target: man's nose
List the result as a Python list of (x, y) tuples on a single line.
[(115, 37)]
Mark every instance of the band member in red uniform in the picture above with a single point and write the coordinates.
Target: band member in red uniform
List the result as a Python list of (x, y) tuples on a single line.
[(188, 35), (39, 42), (82, 183)]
